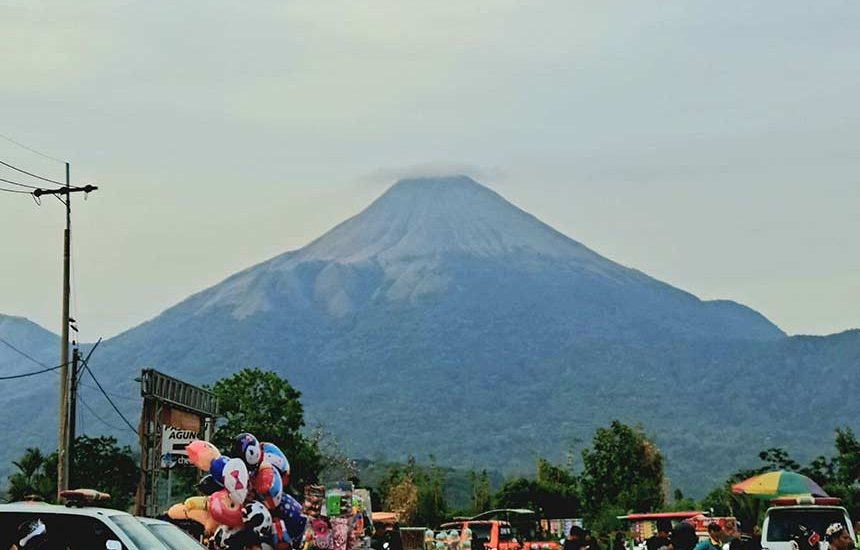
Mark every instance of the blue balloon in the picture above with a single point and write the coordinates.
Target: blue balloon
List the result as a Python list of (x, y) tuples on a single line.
[(296, 527), (276, 457), (289, 507), (216, 469)]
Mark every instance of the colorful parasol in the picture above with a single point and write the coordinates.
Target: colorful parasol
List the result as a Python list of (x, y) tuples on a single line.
[(778, 484)]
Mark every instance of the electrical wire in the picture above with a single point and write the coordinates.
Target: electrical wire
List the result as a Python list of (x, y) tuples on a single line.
[(113, 394), (15, 191), (37, 176), (26, 374), (112, 404), (18, 184), (97, 417), (22, 146), (30, 357)]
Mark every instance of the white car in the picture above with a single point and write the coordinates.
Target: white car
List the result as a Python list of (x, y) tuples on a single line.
[(170, 535), (78, 528), (780, 522)]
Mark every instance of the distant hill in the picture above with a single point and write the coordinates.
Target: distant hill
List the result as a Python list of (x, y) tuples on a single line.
[(29, 405), (442, 319)]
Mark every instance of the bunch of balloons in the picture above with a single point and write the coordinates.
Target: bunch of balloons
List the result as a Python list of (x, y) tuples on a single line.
[(245, 502)]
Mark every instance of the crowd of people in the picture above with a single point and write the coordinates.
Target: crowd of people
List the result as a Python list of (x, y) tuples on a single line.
[(683, 536)]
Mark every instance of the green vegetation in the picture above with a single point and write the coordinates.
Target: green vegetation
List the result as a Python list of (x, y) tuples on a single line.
[(839, 476), (97, 463), (266, 405)]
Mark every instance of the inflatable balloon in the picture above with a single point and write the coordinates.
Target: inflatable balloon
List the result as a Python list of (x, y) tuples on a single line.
[(229, 538), (282, 540), (182, 511), (276, 457), (296, 527), (224, 510), (257, 518), (202, 453), (236, 480), (267, 484), (216, 468), (289, 508), (248, 449)]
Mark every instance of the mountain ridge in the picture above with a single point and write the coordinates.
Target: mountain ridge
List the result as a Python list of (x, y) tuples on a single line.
[(405, 313)]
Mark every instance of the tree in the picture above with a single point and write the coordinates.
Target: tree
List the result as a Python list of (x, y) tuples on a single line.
[(100, 463), (480, 488), (623, 470), (403, 498), (555, 493), (518, 493), (262, 403), (97, 463), (334, 462), (32, 477), (428, 482)]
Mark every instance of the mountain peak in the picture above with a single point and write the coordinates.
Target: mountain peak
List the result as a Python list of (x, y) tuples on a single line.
[(431, 216), (456, 184)]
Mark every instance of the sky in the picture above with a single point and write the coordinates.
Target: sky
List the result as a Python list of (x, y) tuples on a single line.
[(711, 145)]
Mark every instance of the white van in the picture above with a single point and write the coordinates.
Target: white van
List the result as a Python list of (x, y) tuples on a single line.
[(85, 528), (780, 522)]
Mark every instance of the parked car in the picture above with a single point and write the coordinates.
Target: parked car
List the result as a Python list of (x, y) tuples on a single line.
[(78, 528), (781, 521), (487, 534), (170, 535)]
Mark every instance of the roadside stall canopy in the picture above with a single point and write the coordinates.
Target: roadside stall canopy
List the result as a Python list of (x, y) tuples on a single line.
[(780, 483), (384, 517)]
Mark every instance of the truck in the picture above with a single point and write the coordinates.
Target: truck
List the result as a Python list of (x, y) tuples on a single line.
[(781, 520)]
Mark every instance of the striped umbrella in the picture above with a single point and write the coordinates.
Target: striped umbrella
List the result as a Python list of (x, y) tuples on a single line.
[(778, 484)]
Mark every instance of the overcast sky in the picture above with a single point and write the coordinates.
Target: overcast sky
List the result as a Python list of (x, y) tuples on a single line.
[(713, 145)]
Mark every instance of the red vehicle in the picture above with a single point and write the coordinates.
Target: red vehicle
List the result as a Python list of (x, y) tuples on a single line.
[(487, 534), (526, 528)]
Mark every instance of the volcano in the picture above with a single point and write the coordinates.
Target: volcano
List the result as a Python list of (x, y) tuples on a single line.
[(487, 338)]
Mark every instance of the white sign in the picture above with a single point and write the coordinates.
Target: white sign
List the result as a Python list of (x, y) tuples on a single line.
[(173, 442)]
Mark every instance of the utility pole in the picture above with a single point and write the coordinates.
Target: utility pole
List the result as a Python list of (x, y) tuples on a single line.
[(73, 410), (63, 440)]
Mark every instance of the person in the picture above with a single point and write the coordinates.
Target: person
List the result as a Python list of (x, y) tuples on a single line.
[(838, 537), (804, 538), (683, 537), (590, 541), (660, 541), (746, 541), (619, 543), (429, 539), (392, 537), (575, 539), (714, 540)]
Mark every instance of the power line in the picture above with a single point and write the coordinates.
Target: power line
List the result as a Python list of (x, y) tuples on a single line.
[(114, 394), (30, 357), (21, 145), (26, 374), (112, 404), (19, 184), (47, 368), (14, 191), (37, 176), (97, 417)]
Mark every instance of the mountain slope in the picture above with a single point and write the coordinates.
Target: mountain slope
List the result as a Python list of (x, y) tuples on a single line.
[(487, 338), (28, 406)]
